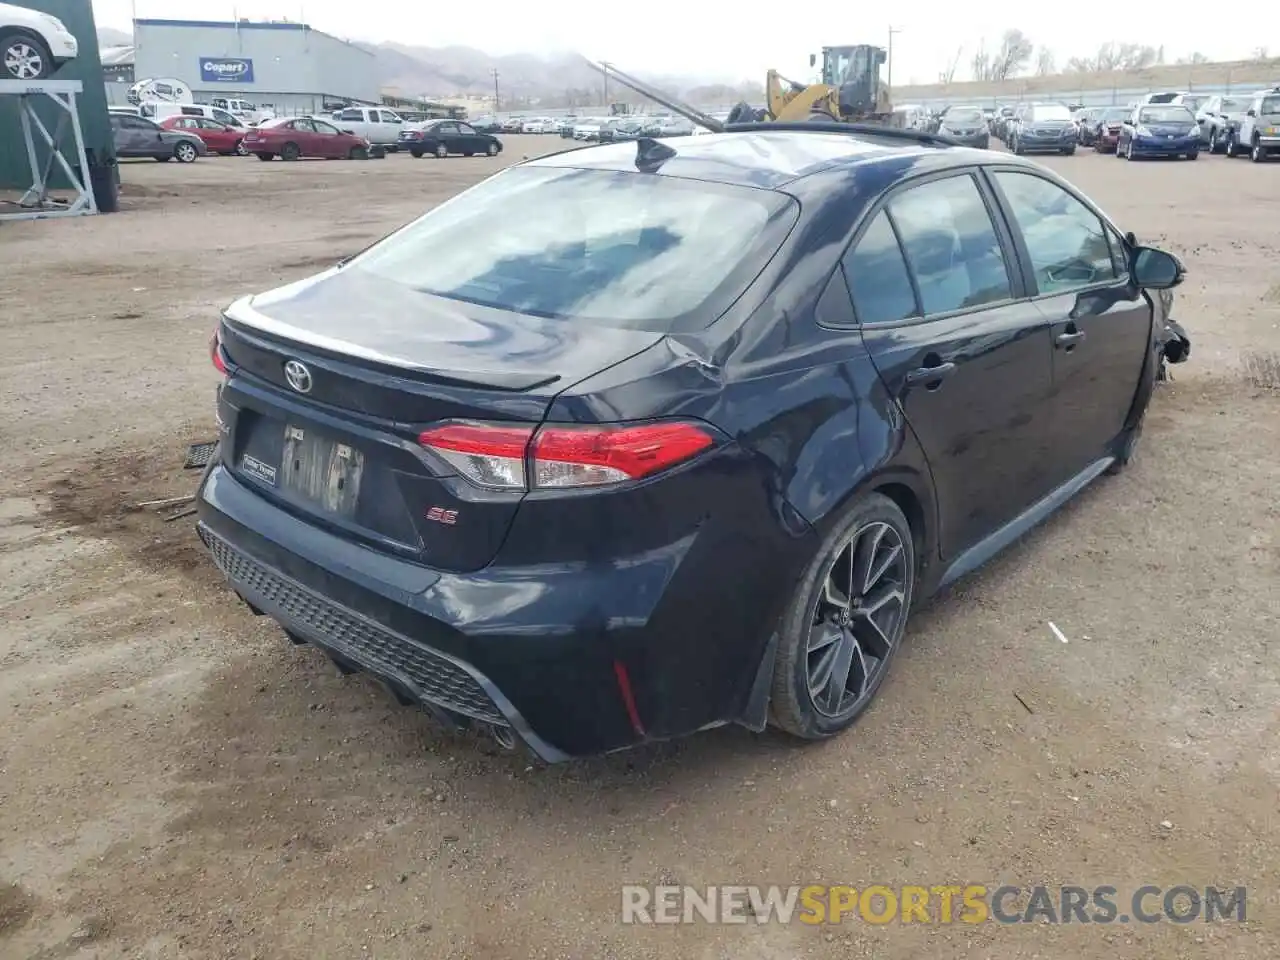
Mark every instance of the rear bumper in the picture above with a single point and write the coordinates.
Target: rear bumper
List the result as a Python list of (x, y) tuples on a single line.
[(574, 659)]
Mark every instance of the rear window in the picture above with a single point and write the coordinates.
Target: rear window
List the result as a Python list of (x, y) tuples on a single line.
[(619, 249), (1270, 105)]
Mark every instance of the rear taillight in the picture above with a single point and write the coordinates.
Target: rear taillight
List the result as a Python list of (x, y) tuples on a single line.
[(520, 457), (215, 352)]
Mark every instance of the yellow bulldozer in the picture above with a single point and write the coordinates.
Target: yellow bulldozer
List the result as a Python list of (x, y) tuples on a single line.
[(850, 91)]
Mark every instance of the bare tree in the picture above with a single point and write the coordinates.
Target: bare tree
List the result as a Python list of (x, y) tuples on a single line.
[(1046, 64), (1117, 56), (1012, 57), (1195, 58), (949, 75), (1261, 54), (980, 65)]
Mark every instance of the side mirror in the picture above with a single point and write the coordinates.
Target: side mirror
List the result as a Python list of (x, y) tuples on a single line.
[(1156, 269), (813, 58), (1252, 112), (350, 133)]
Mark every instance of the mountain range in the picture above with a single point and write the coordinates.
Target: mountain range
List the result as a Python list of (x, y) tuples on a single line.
[(524, 80)]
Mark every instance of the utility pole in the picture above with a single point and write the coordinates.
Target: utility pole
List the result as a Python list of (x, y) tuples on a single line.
[(497, 103), (605, 74), (889, 80)]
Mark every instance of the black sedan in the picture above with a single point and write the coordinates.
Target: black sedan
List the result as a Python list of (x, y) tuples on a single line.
[(635, 440), (444, 138)]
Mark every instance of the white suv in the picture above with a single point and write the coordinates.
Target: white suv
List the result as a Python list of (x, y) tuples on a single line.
[(1259, 132), (32, 44)]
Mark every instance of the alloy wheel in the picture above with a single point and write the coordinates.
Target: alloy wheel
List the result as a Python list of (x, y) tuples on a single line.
[(186, 153), (22, 61), (860, 615)]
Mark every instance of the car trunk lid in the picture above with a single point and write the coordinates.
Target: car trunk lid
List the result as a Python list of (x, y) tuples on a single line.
[(374, 364)]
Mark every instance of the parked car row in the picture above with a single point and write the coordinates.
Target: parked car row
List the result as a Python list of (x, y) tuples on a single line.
[(1161, 124), (610, 129), (186, 138)]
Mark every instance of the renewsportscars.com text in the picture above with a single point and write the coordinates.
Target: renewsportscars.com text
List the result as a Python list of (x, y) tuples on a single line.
[(939, 904)]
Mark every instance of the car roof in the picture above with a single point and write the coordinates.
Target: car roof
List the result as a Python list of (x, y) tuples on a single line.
[(769, 158)]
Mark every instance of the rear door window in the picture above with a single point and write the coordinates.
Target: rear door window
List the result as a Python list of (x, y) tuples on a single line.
[(951, 245), (877, 275)]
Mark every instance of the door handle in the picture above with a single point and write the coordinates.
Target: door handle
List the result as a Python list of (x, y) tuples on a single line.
[(1070, 339), (934, 375)]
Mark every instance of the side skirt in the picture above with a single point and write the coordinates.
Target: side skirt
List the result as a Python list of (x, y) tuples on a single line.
[(1033, 516)]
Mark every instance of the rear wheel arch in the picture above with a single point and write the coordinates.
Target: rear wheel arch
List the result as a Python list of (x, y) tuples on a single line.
[(911, 492)]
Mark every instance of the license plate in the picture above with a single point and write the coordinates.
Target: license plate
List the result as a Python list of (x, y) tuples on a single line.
[(321, 470)]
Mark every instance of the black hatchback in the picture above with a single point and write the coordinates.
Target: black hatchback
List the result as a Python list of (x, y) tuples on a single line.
[(632, 440)]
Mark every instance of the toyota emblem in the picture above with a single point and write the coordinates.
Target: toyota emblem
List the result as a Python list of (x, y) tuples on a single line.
[(298, 375)]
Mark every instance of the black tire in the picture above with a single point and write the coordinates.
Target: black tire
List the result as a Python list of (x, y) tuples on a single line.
[(290, 151), (240, 150), (1193, 155), (1069, 152), (265, 156), (1232, 148), (492, 149), (358, 153), (416, 154), (1214, 145), (441, 151), (793, 705), (1257, 152), (35, 63), (185, 152)]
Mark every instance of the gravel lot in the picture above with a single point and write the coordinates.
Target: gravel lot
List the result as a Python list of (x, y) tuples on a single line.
[(177, 780)]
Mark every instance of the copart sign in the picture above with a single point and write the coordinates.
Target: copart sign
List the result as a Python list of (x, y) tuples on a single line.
[(226, 70)]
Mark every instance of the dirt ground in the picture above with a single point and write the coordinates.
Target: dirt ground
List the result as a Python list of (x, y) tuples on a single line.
[(176, 780)]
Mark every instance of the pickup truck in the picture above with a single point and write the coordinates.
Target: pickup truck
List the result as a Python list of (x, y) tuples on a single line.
[(380, 126)]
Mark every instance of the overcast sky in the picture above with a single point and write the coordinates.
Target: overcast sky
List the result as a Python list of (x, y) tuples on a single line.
[(687, 37)]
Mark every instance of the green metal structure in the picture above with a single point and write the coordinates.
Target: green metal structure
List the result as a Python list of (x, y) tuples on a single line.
[(94, 120)]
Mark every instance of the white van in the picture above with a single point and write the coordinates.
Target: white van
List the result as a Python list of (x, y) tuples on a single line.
[(246, 111), (376, 124), (159, 112)]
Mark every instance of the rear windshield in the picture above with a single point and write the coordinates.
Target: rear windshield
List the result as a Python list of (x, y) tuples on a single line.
[(963, 116), (1172, 113), (620, 249), (1115, 113), (1270, 105)]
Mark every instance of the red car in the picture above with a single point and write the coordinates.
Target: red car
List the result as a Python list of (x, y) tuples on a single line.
[(292, 137), (218, 137)]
